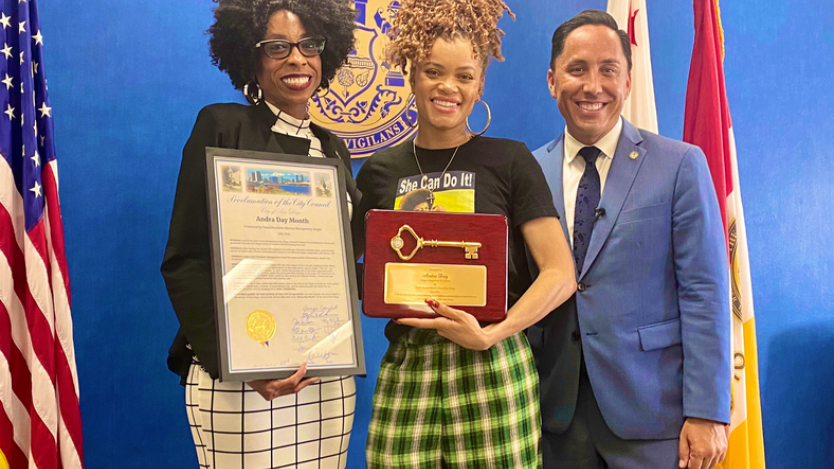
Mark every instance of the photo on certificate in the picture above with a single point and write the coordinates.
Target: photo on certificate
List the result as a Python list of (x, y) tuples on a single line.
[(283, 266)]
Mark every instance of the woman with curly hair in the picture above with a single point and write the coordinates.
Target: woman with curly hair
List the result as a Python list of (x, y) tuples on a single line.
[(453, 392), (279, 52)]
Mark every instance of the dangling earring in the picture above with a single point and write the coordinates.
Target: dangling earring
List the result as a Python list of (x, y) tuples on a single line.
[(407, 120), (489, 120), (254, 97)]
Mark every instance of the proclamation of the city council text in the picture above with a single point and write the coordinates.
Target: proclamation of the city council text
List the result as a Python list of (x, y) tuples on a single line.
[(283, 266)]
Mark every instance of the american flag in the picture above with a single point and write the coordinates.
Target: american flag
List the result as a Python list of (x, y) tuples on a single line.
[(40, 421)]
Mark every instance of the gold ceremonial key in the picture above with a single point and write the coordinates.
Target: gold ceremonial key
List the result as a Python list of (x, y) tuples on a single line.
[(470, 249)]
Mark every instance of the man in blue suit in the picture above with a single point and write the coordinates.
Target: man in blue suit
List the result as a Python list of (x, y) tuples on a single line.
[(635, 368)]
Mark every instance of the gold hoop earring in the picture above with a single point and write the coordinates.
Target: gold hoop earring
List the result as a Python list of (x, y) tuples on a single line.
[(407, 120), (251, 96), (489, 120)]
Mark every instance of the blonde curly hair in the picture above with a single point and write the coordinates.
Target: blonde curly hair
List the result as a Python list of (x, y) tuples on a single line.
[(419, 23)]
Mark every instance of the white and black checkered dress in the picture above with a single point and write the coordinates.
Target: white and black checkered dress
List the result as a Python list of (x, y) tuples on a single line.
[(234, 427)]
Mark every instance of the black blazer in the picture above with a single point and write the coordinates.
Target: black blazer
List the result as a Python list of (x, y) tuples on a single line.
[(186, 266)]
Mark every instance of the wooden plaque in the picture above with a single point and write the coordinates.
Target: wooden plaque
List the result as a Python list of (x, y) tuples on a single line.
[(396, 285)]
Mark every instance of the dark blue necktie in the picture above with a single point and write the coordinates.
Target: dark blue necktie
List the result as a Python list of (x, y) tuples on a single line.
[(587, 200)]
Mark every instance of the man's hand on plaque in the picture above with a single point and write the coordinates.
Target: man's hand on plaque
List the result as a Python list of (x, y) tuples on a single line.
[(458, 326), (269, 389)]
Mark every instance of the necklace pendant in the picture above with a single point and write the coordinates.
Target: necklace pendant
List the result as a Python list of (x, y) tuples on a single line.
[(420, 168)]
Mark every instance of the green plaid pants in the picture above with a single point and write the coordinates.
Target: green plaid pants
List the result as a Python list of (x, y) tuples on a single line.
[(438, 405)]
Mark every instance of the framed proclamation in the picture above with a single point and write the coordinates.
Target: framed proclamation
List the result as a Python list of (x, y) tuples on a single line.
[(283, 267)]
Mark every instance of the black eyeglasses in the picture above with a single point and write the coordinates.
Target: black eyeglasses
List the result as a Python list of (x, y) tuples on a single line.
[(281, 48)]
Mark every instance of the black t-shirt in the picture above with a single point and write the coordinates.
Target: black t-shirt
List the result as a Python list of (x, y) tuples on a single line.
[(487, 175)]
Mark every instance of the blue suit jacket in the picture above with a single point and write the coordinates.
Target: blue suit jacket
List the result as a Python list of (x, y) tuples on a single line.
[(653, 306)]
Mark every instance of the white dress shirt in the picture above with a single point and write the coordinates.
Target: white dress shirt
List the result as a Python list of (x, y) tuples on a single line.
[(573, 168), (289, 125)]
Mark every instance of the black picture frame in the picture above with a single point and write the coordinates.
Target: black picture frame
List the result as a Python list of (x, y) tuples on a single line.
[(214, 183)]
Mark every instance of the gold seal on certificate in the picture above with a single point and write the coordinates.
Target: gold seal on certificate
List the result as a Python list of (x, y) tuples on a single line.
[(283, 266), (260, 325)]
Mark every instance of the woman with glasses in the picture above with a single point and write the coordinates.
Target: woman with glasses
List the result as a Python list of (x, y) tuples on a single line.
[(452, 392), (279, 52)]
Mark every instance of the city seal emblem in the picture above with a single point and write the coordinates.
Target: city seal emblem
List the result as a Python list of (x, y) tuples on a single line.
[(368, 103), (260, 325)]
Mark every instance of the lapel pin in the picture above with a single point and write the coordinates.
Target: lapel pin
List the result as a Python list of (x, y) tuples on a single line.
[(633, 155)]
